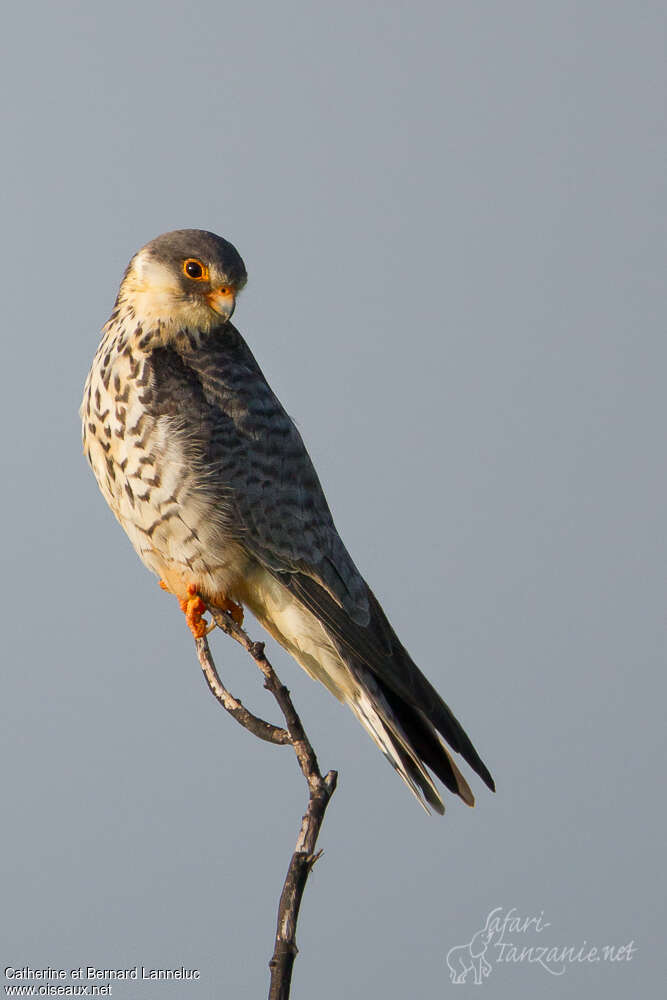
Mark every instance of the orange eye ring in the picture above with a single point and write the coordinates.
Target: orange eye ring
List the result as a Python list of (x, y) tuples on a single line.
[(195, 269)]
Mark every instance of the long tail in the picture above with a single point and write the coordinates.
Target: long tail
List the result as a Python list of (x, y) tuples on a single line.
[(408, 741), (401, 710)]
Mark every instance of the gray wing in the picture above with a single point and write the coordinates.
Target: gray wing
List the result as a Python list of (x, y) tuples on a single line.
[(257, 463)]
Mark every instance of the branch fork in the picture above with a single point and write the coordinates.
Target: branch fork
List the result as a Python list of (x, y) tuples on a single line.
[(320, 788)]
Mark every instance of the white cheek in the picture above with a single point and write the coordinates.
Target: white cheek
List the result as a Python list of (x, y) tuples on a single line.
[(151, 272), (157, 296), (156, 287)]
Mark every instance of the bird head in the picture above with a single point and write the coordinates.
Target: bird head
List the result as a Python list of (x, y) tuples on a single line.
[(184, 280)]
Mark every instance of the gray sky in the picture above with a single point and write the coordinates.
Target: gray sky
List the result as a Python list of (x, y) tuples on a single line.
[(453, 219)]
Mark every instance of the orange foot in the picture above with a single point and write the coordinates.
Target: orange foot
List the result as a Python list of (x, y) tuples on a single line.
[(194, 608), (235, 610)]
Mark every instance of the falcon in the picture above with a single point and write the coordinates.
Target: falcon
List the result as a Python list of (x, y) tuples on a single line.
[(211, 480)]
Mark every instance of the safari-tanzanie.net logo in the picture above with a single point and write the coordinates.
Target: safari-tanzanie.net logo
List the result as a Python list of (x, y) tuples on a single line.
[(508, 938)]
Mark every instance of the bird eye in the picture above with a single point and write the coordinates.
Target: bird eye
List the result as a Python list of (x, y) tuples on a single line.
[(195, 269)]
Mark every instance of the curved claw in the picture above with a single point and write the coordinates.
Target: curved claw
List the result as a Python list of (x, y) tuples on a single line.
[(194, 609)]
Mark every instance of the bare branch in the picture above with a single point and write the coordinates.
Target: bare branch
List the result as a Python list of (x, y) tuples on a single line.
[(320, 790), (264, 730)]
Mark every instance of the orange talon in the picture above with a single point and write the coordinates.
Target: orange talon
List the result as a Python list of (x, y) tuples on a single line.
[(199, 628), (231, 607), (194, 608)]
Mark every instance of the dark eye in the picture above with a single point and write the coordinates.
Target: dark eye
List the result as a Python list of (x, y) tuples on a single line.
[(194, 269)]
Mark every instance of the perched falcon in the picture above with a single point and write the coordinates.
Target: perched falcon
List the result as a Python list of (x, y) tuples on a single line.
[(210, 479)]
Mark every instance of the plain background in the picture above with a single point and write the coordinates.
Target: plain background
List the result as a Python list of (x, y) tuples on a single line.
[(453, 218)]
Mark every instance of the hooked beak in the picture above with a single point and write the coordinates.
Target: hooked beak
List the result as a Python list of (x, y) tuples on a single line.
[(222, 300)]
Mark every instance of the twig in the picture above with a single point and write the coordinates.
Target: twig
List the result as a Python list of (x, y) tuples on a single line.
[(264, 730), (320, 790)]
